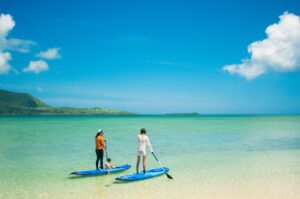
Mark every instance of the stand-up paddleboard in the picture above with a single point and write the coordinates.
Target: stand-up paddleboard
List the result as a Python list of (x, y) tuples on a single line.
[(103, 171), (141, 176)]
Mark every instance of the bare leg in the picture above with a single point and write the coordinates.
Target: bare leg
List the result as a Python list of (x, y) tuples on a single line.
[(138, 164), (144, 163)]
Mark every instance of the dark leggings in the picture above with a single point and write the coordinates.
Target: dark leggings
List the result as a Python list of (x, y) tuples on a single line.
[(99, 153)]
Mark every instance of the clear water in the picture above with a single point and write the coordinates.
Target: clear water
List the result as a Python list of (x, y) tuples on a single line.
[(213, 157)]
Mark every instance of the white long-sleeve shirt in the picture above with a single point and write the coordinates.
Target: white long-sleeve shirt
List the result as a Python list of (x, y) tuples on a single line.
[(142, 142)]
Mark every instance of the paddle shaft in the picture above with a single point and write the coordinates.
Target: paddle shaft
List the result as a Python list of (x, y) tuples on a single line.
[(156, 159), (105, 149), (170, 177)]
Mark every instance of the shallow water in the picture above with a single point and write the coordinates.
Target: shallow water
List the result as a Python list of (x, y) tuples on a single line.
[(212, 157)]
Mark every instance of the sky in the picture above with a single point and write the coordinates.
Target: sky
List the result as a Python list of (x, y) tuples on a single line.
[(211, 57)]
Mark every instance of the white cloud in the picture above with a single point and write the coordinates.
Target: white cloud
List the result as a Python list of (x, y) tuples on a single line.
[(40, 89), (279, 52), (19, 45), (51, 53), (4, 65), (6, 25), (36, 67)]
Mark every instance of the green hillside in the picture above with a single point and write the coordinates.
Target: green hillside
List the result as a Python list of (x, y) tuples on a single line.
[(12, 103)]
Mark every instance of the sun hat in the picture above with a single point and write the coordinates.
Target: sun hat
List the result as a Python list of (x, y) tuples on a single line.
[(101, 130)]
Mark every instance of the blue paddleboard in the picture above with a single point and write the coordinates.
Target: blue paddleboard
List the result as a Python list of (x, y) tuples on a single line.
[(141, 176), (103, 171)]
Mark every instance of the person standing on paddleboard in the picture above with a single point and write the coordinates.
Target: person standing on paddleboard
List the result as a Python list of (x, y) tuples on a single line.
[(100, 147), (142, 142)]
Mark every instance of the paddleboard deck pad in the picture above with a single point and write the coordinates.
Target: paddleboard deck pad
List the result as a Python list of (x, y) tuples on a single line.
[(141, 176), (103, 171)]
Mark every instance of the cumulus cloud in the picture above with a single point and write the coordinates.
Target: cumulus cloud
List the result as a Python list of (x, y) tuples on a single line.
[(279, 52), (6, 25), (4, 65), (36, 67), (51, 53)]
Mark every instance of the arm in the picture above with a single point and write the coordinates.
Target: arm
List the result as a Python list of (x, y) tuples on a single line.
[(149, 145), (138, 142), (112, 166)]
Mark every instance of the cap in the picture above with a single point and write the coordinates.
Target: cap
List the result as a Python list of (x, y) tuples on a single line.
[(100, 130)]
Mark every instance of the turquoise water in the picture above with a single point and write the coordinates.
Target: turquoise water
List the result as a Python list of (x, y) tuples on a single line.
[(208, 156)]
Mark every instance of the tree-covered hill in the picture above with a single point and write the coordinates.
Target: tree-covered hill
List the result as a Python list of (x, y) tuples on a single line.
[(13, 103)]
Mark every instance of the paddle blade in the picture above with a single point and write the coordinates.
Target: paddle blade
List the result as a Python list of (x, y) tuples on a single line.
[(170, 177)]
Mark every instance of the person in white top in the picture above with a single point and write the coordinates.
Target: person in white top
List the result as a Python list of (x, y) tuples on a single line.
[(142, 142)]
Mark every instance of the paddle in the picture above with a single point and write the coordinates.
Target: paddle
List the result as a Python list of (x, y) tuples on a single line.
[(105, 149), (170, 177)]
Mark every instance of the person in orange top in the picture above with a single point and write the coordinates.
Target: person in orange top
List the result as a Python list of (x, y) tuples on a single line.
[(100, 147)]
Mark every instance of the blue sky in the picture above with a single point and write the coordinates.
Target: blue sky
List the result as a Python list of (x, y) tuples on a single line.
[(151, 56)]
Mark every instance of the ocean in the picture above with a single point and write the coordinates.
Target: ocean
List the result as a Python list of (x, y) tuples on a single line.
[(209, 156)]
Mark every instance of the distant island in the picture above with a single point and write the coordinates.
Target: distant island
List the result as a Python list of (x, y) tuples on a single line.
[(13, 103), (192, 113)]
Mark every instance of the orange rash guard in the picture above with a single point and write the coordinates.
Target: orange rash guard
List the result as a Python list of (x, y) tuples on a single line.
[(100, 142)]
